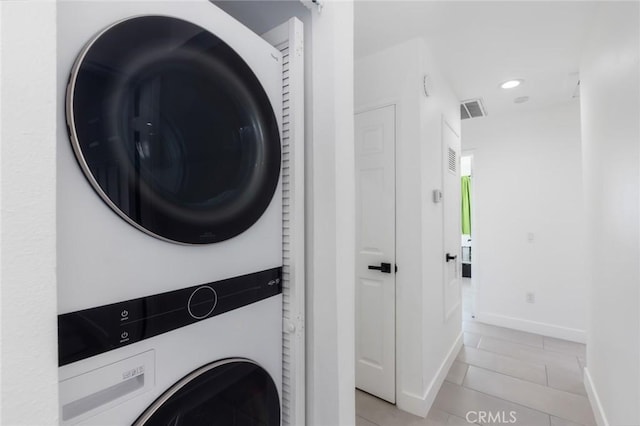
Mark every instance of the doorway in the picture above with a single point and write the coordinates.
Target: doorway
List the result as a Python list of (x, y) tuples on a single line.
[(469, 290)]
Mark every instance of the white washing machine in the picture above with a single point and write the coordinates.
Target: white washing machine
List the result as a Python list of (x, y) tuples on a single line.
[(169, 206), (220, 372)]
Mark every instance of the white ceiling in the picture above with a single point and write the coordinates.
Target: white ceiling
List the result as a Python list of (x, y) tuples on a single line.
[(480, 44)]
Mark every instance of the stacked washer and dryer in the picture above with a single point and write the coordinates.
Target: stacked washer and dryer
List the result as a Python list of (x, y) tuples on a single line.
[(169, 216)]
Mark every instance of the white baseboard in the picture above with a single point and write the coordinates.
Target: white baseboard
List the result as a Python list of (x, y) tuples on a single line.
[(420, 405), (545, 329), (411, 403), (598, 411)]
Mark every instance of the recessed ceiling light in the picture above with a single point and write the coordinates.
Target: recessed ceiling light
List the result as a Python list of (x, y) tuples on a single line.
[(511, 84), (521, 99)]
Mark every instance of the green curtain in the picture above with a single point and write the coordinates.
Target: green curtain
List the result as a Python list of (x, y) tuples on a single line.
[(466, 205)]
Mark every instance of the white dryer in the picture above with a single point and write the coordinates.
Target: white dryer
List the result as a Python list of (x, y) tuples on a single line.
[(169, 200), (168, 149)]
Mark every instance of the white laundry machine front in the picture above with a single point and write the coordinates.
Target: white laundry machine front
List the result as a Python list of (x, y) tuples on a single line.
[(223, 371), (168, 206), (169, 151)]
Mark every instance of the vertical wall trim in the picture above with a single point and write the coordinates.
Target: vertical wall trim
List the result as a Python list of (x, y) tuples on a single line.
[(331, 280)]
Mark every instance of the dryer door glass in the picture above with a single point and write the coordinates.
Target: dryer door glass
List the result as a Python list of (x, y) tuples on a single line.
[(226, 393), (173, 130)]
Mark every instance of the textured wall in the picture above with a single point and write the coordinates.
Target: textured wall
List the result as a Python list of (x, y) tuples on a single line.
[(28, 221)]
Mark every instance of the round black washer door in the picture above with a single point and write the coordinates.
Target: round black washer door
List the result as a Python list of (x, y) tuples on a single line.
[(173, 130), (234, 392)]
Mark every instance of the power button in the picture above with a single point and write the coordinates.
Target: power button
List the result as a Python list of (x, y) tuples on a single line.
[(202, 302)]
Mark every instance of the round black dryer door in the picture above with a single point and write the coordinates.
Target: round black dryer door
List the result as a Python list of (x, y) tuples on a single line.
[(234, 392), (173, 130)]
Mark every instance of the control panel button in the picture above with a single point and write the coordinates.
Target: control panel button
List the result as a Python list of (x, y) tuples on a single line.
[(202, 302), (273, 282)]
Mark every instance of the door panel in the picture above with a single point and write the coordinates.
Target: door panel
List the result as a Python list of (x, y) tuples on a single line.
[(451, 219), (375, 244), (372, 300)]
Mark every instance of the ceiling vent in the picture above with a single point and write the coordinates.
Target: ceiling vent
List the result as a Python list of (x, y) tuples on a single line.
[(472, 108)]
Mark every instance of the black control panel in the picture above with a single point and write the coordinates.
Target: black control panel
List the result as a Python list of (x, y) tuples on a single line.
[(90, 332)]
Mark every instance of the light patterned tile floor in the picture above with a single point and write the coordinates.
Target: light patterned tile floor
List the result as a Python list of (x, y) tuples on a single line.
[(500, 371)]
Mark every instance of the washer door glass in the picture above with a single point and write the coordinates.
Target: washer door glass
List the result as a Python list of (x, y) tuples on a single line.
[(173, 130), (226, 393)]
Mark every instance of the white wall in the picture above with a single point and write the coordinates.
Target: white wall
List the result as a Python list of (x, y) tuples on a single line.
[(441, 338), (391, 77), (527, 179), (394, 76), (610, 99), (465, 165), (29, 361)]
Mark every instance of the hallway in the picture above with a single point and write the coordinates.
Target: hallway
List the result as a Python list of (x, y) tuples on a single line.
[(500, 371)]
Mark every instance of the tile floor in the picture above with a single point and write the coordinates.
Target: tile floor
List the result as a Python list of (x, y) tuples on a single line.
[(500, 370)]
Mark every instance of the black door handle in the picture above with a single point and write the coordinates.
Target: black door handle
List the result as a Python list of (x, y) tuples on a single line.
[(448, 257), (384, 267)]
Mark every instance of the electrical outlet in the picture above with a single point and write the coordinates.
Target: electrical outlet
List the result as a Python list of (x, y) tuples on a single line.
[(531, 298)]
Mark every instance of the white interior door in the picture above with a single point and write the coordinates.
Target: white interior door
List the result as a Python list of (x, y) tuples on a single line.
[(451, 219), (375, 252)]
